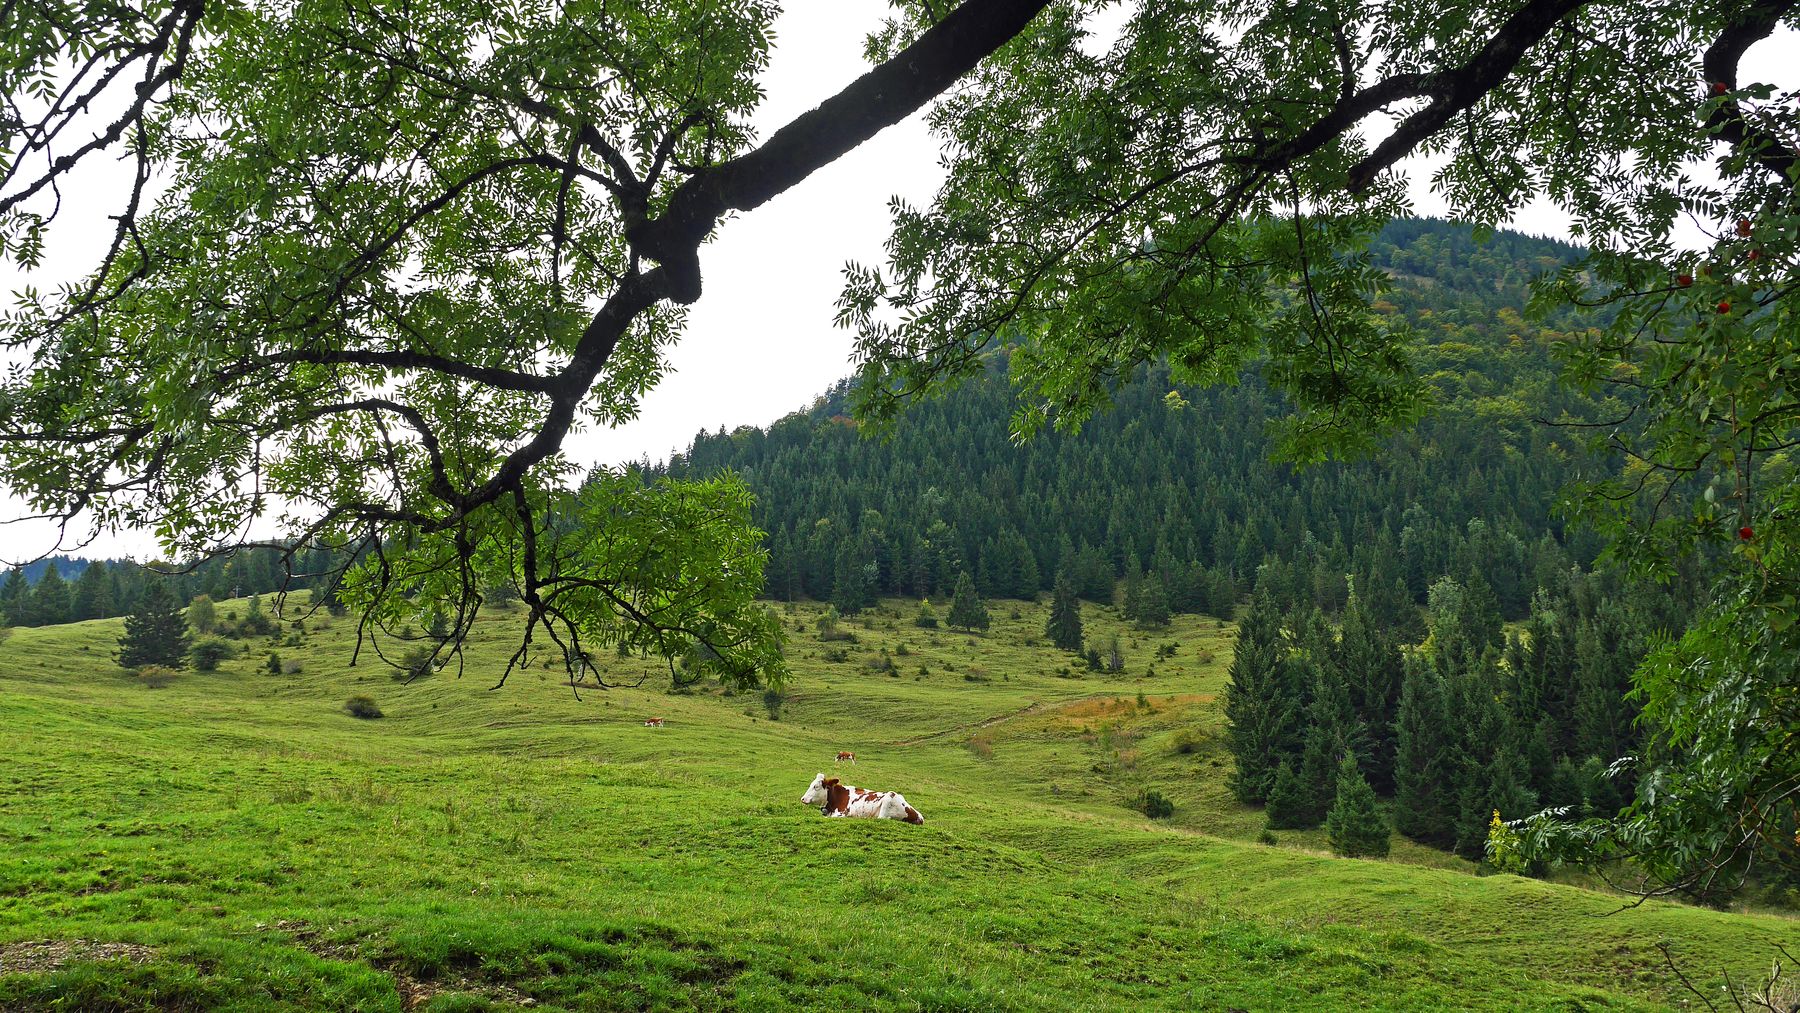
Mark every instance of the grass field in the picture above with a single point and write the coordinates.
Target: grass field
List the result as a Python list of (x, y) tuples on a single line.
[(236, 840)]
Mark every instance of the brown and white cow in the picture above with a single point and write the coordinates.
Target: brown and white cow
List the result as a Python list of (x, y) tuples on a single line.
[(844, 757), (653, 722), (835, 798)]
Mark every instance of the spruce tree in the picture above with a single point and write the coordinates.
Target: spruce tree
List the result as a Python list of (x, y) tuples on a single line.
[(1064, 625), (50, 600), (15, 599), (966, 610), (1332, 731), (1149, 602), (156, 633), (93, 594), (1292, 802), (1424, 794), (850, 590), (1263, 702), (1368, 663), (1355, 824)]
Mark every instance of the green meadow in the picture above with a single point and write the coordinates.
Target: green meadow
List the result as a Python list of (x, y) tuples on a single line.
[(237, 840)]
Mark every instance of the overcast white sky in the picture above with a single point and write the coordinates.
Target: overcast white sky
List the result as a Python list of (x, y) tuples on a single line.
[(760, 342)]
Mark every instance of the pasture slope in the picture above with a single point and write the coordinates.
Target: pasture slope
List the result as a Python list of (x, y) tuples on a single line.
[(236, 840)]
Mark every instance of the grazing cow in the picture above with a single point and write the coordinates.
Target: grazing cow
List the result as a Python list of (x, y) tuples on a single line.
[(653, 722), (843, 757), (835, 798)]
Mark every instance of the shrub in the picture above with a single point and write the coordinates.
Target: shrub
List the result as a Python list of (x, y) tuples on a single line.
[(925, 618), (1153, 804), (1266, 837), (362, 707), (292, 667), (155, 676), (414, 664), (273, 665), (880, 663), (835, 654), (982, 748), (902, 650), (207, 652), (773, 699), (1187, 743)]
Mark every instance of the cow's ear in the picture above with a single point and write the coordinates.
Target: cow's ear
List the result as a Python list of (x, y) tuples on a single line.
[(831, 782)]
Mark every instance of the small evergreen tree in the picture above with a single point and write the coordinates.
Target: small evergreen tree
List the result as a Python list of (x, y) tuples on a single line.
[(1355, 824), (966, 610), (926, 618), (156, 633), (1148, 604), (1064, 626), (1292, 805), (93, 594), (15, 599), (202, 615), (1424, 793), (50, 600), (1263, 702)]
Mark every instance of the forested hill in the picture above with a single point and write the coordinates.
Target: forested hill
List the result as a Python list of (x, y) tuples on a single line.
[(1178, 482)]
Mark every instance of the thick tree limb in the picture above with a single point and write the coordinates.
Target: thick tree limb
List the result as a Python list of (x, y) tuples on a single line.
[(879, 99), (1720, 66)]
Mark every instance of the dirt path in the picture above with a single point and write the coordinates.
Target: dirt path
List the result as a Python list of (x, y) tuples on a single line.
[(983, 723)]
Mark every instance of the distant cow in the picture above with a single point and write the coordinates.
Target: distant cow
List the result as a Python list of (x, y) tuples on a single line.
[(653, 722), (834, 798), (846, 758)]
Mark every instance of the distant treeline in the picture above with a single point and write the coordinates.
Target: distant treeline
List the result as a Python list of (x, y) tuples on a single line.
[(1176, 486), (62, 589)]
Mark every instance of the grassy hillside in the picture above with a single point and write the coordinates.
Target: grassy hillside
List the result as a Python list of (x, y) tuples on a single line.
[(259, 848)]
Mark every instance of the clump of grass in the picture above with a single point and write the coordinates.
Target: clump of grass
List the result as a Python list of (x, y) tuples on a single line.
[(362, 706), (982, 747)]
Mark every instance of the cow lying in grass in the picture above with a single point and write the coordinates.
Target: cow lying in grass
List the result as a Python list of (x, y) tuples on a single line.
[(835, 798)]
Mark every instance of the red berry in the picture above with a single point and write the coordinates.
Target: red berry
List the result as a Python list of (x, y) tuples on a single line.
[(1719, 88), (1684, 280), (1743, 226), (1745, 533), (1755, 254), (1724, 307)]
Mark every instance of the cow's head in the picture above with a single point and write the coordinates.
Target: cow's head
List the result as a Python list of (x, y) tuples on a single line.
[(818, 791)]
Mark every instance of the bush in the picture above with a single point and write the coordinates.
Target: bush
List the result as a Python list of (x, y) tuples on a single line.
[(1266, 837), (362, 707), (273, 665), (292, 667), (414, 664), (773, 699), (155, 676), (925, 618), (1153, 804), (207, 652)]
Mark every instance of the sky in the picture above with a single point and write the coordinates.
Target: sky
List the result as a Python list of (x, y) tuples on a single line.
[(760, 342)]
